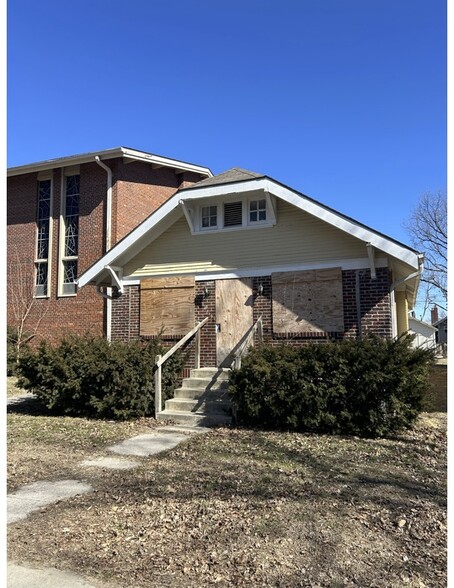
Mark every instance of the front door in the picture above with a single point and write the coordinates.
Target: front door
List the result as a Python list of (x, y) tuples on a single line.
[(233, 316)]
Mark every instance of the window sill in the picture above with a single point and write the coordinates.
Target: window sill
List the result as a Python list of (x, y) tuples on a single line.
[(231, 229)]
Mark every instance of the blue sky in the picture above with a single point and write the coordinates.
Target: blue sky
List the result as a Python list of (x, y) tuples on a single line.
[(344, 100)]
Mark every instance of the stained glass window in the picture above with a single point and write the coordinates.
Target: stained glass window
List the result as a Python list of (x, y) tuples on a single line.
[(71, 234), (43, 237)]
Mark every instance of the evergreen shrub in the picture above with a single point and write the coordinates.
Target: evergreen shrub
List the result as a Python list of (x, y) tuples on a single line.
[(369, 388), (88, 376)]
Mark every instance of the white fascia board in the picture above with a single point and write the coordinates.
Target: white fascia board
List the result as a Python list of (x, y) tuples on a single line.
[(378, 241), (139, 235), (108, 154), (144, 230), (65, 161), (166, 162), (349, 226), (344, 264), (195, 193)]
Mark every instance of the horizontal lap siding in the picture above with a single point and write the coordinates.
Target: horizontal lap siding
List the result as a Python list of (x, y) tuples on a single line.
[(297, 238)]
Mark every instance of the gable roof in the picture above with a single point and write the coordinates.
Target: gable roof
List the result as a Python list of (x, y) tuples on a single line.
[(235, 174), (240, 181), (126, 152)]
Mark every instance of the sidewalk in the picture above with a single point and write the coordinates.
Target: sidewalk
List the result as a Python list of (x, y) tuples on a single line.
[(32, 497)]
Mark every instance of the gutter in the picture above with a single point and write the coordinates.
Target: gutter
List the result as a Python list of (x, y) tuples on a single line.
[(411, 276)]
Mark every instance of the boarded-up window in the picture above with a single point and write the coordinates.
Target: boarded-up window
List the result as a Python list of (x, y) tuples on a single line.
[(167, 305), (308, 301)]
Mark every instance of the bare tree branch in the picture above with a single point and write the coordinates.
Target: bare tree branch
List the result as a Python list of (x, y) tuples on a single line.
[(22, 301), (428, 231)]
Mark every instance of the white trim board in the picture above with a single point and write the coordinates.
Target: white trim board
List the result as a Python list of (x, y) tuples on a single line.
[(344, 264), (149, 230), (131, 154)]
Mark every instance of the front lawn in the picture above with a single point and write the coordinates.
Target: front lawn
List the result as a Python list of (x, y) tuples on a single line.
[(238, 507)]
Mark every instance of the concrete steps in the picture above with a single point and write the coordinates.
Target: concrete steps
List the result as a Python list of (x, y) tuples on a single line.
[(202, 399)]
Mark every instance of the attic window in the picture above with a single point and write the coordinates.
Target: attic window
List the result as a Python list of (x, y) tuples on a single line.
[(209, 216), (257, 211), (233, 214)]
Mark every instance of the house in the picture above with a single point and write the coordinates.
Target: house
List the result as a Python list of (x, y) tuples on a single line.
[(63, 215), (442, 330), (425, 333), (239, 250), (441, 326)]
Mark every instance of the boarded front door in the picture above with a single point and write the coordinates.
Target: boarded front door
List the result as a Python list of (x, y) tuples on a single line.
[(233, 316)]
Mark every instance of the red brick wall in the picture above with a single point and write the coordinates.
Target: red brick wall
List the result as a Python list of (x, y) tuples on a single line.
[(55, 316), (206, 307), (375, 303), (138, 189), (375, 312), (126, 315)]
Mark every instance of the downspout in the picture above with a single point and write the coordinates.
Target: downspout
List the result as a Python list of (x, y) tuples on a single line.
[(108, 240), (108, 204)]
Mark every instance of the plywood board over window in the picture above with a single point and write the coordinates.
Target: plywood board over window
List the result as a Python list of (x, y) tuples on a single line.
[(308, 301), (167, 305)]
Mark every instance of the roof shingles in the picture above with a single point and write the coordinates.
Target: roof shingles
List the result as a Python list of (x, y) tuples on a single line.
[(235, 174)]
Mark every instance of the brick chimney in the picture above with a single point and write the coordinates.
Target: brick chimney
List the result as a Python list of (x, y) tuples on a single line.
[(434, 315)]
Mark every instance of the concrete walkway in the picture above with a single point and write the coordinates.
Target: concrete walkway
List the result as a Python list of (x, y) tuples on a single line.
[(32, 497)]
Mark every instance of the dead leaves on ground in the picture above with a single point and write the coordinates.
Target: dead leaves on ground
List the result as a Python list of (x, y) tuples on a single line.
[(248, 508)]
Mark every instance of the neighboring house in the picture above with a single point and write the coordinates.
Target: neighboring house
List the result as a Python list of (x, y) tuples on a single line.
[(425, 334), (442, 330), (241, 245), (63, 215), (441, 325)]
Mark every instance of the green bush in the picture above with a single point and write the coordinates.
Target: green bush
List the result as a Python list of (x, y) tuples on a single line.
[(88, 376), (370, 388)]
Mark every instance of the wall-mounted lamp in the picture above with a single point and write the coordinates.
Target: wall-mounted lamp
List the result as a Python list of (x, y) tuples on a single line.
[(260, 289), (206, 292)]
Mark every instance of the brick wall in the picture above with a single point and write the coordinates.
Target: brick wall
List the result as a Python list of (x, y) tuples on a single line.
[(126, 315), (375, 302), (438, 392), (375, 313), (138, 189), (55, 316), (206, 307)]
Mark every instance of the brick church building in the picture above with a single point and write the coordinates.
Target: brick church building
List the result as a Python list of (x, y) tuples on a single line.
[(63, 215)]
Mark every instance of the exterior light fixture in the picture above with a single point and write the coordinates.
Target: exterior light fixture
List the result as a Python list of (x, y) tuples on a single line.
[(260, 289), (206, 292)]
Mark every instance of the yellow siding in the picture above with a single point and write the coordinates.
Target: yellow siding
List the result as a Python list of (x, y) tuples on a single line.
[(401, 312), (296, 238)]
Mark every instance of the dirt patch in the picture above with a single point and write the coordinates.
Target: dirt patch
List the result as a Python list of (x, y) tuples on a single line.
[(250, 509)]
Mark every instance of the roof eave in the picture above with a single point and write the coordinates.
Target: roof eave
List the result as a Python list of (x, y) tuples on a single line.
[(365, 234), (125, 152)]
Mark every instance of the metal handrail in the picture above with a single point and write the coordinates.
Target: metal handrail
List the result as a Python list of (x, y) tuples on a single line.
[(257, 326), (160, 359)]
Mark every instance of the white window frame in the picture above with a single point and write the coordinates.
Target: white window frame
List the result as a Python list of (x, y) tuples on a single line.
[(70, 171), (44, 177), (214, 227), (267, 212), (246, 223)]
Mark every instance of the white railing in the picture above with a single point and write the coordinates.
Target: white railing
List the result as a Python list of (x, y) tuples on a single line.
[(160, 359), (256, 327)]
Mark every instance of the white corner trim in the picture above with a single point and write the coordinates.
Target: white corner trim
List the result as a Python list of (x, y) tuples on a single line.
[(371, 254)]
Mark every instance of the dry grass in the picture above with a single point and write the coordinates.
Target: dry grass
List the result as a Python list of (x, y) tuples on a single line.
[(238, 508)]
